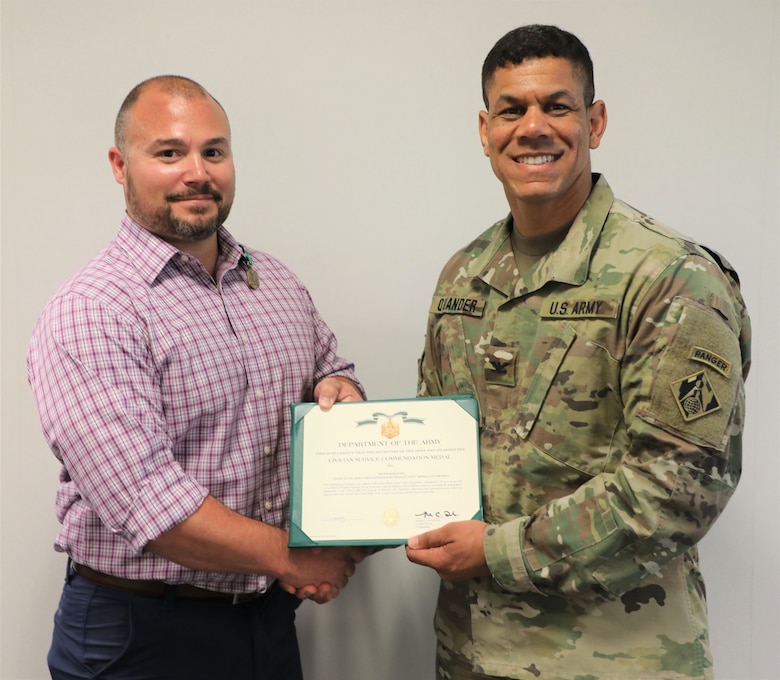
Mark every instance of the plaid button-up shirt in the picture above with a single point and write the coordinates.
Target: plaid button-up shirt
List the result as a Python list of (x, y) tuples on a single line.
[(157, 385)]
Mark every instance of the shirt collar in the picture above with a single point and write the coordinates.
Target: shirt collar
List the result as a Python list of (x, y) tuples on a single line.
[(151, 254), (568, 263)]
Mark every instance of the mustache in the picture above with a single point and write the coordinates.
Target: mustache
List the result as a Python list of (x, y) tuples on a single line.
[(207, 191)]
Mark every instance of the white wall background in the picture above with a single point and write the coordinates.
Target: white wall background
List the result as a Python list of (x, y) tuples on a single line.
[(355, 134)]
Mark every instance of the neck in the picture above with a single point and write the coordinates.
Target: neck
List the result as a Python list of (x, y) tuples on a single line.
[(540, 217), (532, 222), (207, 251)]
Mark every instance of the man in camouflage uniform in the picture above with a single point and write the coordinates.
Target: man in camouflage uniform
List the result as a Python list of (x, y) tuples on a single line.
[(608, 355)]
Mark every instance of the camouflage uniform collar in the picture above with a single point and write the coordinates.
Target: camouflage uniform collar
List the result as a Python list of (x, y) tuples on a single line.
[(568, 263)]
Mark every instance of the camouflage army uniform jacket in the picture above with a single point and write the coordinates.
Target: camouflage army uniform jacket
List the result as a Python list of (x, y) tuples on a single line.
[(610, 380)]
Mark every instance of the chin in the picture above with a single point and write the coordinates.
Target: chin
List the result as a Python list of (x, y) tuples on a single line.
[(534, 194)]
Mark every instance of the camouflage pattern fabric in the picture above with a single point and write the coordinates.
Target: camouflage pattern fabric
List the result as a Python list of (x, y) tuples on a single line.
[(610, 380)]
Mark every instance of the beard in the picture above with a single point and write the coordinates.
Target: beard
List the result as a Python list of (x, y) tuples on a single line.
[(197, 226)]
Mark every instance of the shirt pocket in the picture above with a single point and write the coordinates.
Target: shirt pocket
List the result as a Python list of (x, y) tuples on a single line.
[(203, 382), (454, 344), (572, 411)]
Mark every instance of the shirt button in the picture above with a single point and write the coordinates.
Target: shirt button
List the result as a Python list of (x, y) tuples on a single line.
[(268, 505), (185, 258), (244, 338), (259, 394), (267, 450)]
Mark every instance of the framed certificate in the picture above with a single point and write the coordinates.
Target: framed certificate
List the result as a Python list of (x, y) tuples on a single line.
[(378, 472)]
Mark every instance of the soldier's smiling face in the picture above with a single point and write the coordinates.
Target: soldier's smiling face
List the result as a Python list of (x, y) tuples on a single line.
[(538, 132)]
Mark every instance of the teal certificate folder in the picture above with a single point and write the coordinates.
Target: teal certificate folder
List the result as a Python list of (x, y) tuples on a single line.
[(378, 472)]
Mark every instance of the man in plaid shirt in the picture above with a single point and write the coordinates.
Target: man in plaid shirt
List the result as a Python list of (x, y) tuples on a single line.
[(163, 372)]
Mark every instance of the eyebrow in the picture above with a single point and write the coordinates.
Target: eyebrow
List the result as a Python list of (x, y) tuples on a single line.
[(553, 95), (175, 141)]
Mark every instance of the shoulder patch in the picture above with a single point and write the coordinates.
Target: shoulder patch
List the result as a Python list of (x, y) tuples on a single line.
[(695, 396), (697, 381), (468, 306), (711, 359)]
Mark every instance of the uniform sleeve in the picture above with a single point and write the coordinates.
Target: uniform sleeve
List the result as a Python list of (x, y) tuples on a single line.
[(98, 397), (448, 372), (682, 387), (428, 381)]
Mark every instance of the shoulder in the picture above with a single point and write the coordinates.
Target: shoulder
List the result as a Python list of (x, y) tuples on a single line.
[(459, 262), (108, 286), (628, 225), (632, 239), (666, 265)]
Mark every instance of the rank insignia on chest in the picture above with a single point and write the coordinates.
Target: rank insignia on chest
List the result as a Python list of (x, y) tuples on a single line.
[(695, 396)]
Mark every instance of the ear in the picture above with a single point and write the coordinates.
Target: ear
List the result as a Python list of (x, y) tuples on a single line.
[(483, 132), (597, 115), (118, 164)]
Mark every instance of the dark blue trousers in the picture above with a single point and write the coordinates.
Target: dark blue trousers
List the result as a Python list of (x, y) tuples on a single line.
[(111, 634)]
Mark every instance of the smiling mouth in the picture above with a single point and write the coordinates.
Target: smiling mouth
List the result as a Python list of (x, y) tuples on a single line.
[(200, 194), (198, 197), (540, 159)]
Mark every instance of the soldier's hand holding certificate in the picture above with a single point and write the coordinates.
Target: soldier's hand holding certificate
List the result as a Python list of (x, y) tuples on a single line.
[(378, 472)]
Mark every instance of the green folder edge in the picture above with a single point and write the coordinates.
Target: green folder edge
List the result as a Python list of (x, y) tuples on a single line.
[(297, 537)]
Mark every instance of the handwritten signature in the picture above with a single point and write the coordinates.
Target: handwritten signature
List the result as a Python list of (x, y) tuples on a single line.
[(438, 514)]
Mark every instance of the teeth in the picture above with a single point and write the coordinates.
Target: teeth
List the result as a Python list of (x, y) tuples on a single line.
[(536, 160)]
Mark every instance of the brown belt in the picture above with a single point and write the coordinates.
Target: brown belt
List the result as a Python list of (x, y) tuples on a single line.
[(159, 588)]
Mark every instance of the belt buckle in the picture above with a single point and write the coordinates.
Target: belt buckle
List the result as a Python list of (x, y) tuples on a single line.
[(241, 598)]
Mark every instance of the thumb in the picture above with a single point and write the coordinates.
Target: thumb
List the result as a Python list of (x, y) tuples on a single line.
[(325, 400), (430, 539)]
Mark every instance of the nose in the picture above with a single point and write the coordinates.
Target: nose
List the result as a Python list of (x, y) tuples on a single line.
[(534, 123), (196, 171)]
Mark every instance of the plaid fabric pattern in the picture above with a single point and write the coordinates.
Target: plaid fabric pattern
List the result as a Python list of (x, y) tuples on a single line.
[(157, 385)]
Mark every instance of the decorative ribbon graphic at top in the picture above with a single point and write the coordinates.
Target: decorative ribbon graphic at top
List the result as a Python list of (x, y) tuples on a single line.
[(375, 418), (388, 427)]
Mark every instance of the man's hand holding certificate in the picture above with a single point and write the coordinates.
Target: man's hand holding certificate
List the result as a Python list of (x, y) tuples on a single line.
[(376, 473)]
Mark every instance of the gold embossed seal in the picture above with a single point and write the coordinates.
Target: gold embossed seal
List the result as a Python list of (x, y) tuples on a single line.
[(391, 517)]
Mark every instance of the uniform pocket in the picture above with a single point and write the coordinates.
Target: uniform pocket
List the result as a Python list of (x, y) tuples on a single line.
[(572, 410)]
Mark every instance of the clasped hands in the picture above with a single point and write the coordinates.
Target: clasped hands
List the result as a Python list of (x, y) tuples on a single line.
[(341, 561), (455, 552)]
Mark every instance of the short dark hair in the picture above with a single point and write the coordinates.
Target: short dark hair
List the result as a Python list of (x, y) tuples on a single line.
[(537, 41), (173, 85)]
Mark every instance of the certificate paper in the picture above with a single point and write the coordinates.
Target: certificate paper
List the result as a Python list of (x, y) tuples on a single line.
[(378, 472)]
